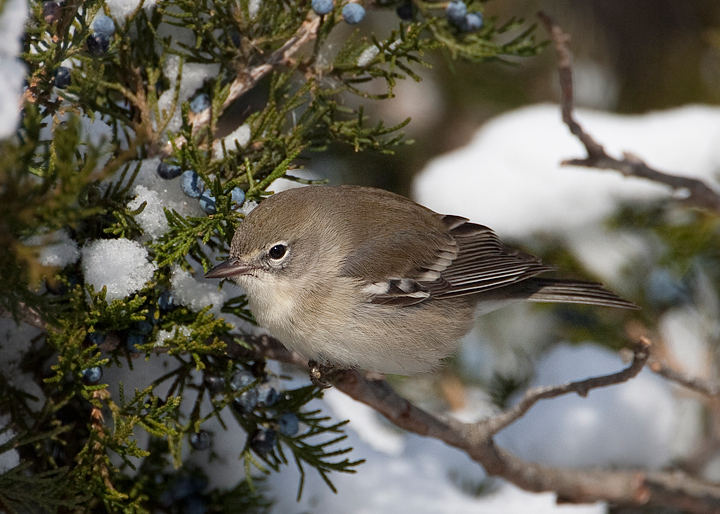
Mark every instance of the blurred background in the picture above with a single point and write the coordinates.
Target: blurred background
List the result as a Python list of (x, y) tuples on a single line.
[(630, 57)]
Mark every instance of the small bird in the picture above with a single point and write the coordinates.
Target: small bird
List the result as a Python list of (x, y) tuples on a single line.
[(357, 277)]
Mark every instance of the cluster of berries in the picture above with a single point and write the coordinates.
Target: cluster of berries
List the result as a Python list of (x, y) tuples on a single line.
[(352, 13), (193, 186), (456, 13), (97, 43), (190, 182), (252, 395), (137, 334), (104, 27)]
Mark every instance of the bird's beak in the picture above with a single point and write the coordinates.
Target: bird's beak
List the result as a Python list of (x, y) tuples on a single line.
[(229, 268)]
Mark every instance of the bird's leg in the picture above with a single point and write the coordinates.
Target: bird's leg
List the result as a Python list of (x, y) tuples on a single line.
[(319, 374)]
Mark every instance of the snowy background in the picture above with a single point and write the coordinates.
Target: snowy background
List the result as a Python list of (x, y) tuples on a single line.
[(617, 426), (507, 177)]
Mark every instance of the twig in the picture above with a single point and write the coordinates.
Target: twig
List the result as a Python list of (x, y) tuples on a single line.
[(97, 422), (698, 192), (581, 387), (26, 314), (704, 387)]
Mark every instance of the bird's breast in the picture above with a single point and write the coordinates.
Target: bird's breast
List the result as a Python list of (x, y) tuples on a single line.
[(271, 300)]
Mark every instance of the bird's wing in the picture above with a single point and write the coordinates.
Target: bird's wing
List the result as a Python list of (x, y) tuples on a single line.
[(483, 263), (397, 267), (456, 258)]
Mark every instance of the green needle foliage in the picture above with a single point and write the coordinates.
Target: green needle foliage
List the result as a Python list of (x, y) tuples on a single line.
[(71, 169)]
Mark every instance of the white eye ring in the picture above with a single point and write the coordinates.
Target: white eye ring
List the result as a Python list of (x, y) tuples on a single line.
[(277, 251)]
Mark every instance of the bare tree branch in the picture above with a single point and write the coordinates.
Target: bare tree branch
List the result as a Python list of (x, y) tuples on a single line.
[(581, 387), (704, 387), (27, 315), (625, 487), (698, 192)]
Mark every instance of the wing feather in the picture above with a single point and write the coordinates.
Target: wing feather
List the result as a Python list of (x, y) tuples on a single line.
[(465, 258), (483, 263)]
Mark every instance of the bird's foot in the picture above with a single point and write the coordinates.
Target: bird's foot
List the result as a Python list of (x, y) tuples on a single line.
[(319, 374)]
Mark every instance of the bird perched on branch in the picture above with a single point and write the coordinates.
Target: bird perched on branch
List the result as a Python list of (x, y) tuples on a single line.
[(351, 276)]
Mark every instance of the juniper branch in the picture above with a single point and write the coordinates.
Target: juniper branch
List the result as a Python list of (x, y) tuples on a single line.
[(247, 80)]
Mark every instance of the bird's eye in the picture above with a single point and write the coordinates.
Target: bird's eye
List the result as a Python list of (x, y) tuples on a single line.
[(277, 252)]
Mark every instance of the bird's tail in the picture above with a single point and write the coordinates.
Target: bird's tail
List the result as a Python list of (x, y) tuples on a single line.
[(572, 291)]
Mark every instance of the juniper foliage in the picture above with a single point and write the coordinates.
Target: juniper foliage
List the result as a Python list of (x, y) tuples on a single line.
[(78, 443)]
